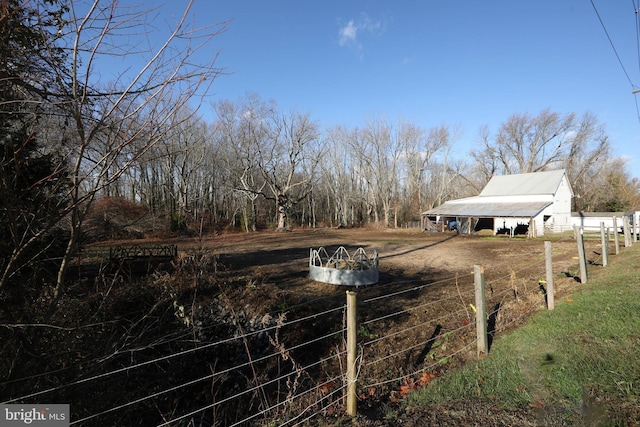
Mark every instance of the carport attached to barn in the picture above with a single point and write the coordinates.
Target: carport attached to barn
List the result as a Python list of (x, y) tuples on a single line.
[(472, 214)]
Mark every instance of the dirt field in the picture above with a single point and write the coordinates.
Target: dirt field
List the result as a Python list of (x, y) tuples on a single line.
[(282, 258), (276, 264), (424, 293)]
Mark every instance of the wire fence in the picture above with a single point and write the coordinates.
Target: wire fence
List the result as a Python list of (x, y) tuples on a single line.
[(288, 367)]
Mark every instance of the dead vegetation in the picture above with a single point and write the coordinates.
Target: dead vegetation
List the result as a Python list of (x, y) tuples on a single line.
[(237, 285)]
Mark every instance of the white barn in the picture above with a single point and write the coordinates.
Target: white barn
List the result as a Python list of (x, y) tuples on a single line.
[(535, 203)]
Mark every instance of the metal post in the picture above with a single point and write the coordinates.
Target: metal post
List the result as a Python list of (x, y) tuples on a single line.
[(481, 311), (351, 353)]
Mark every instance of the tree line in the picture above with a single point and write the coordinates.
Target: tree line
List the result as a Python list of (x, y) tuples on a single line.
[(79, 147), (254, 166)]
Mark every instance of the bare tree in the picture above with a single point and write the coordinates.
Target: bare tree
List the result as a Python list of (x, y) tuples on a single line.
[(430, 169), (183, 150), (274, 153), (387, 170), (485, 161), (528, 144), (588, 159), (547, 141), (241, 128), (609, 190), (380, 148), (338, 178), (283, 159), (111, 126)]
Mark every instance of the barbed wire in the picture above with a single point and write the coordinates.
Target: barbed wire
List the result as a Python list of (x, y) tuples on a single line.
[(175, 337), (318, 387), (508, 282)]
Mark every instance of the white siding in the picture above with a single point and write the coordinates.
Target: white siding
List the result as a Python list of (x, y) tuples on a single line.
[(592, 220), (561, 214)]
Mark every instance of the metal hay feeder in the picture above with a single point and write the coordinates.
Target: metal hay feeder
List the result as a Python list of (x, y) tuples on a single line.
[(341, 268)]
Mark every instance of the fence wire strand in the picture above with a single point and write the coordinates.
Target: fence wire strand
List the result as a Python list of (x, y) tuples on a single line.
[(420, 344), (417, 371), (211, 376), (409, 310), (170, 356), (510, 309), (410, 328), (413, 289)]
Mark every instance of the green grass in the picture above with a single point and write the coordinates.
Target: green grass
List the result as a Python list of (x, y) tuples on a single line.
[(587, 349)]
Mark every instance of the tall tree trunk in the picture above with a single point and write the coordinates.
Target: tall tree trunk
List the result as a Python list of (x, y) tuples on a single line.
[(282, 218), (254, 212), (282, 212)]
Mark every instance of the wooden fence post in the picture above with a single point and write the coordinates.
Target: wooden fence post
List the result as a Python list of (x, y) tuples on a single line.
[(532, 232), (627, 233), (481, 311), (605, 243), (549, 268), (582, 256), (616, 238), (351, 353)]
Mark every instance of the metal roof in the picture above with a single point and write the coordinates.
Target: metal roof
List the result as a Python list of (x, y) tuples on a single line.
[(476, 208), (496, 199), (534, 183)]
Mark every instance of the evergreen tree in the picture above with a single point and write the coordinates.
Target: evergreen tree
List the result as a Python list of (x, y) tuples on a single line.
[(32, 181)]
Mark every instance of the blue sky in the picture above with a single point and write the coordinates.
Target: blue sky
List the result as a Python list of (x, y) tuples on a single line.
[(464, 63)]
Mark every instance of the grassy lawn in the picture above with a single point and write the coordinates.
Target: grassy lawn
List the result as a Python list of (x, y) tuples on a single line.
[(581, 361)]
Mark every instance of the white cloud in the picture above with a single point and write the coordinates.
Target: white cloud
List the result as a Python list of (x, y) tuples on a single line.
[(349, 32)]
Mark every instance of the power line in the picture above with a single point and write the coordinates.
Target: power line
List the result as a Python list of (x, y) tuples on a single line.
[(635, 11), (633, 87), (611, 43)]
